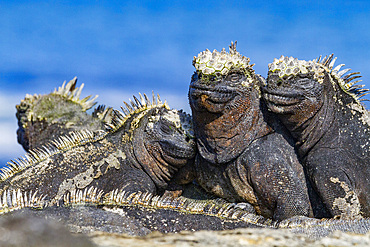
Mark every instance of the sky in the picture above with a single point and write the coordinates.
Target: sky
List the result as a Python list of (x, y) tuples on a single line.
[(120, 48)]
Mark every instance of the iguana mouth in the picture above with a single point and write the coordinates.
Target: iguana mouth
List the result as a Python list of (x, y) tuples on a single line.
[(282, 102), (213, 95), (281, 98), (178, 150)]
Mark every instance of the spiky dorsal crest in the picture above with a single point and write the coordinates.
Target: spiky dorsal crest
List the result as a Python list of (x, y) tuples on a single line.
[(218, 208), (67, 91), (134, 111), (232, 47), (58, 145), (347, 82), (83, 197), (12, 200), (289, 66), (16, 199), (70, 92), (103, 113)]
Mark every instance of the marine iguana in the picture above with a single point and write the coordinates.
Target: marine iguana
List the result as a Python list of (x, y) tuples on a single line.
[(244, 154), (321, 108), (140, 149)]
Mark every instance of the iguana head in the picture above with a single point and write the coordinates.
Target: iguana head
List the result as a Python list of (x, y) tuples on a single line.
[(219, 80), (162, 138), (171, 132), (225, 100), (44, 117), (298, 89)]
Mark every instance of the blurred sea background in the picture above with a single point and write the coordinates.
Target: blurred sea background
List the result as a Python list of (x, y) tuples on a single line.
[(120, 48)]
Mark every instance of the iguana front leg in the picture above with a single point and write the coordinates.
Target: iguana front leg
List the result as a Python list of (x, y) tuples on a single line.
[(279, 188), (334, 185)]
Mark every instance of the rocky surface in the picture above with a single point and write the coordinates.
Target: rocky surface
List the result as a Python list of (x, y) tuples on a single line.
[(33, 231), (238, 237), (30, 231)]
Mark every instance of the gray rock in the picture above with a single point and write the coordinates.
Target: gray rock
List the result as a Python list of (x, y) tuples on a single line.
[(29, 231), (232, 238)]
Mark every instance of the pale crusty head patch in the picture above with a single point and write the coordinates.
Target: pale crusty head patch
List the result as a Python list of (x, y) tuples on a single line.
[(218, 64)]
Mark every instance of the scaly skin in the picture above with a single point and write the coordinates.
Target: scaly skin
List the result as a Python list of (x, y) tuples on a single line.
[(242, 157), (321, 109), (141, 150)]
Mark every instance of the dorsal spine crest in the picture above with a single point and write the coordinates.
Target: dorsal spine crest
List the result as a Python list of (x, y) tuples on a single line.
[(134, 109), (16, 199), (61, 144), (70, 92)]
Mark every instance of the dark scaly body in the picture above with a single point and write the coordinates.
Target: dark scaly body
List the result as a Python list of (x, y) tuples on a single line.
[(321, 109), (242, 157)]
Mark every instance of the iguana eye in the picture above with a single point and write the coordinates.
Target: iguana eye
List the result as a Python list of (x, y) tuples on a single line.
[(194, 77), (233, 77), (167, 128), (304, 81)]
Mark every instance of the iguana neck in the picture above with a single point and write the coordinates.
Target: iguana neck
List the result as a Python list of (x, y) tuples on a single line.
[(148, 155), (224, 136), (310, 131)]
